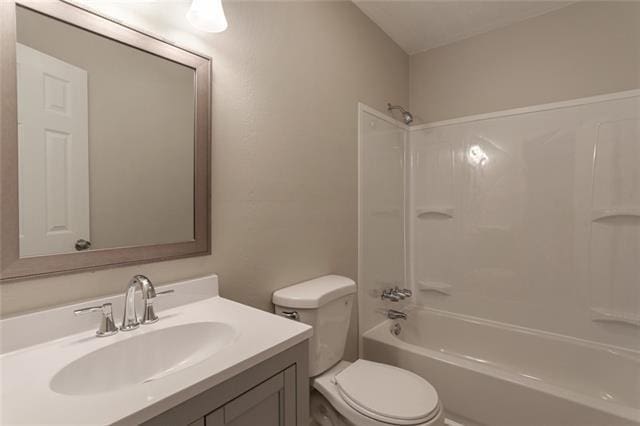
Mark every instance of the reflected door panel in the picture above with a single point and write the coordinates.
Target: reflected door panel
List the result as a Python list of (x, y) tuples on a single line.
[(53, 154)]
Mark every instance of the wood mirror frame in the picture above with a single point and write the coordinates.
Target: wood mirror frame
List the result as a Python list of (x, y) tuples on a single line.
[(12, 267)]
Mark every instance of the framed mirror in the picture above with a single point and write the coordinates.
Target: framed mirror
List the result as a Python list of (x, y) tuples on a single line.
[(105, 151)]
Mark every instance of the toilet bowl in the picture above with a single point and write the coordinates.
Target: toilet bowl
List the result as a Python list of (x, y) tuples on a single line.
[(395, 397), (362, 393), (322, 413)]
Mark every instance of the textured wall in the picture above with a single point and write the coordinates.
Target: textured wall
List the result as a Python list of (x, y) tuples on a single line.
[(287, 79), (585, 49)]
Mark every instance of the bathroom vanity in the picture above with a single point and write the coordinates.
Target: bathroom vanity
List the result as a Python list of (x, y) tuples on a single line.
[(207, 360), (268, 394)]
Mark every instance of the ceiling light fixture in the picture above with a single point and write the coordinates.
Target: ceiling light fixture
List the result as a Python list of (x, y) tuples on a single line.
[(207, 15)]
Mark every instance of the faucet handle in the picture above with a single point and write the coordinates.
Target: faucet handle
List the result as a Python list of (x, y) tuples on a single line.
[(404, 291), (150, 316), (391, 295), (107, 325), (396, 293)]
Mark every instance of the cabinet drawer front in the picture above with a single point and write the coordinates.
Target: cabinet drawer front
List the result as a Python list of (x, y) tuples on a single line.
[(271, 403), (255, 396)]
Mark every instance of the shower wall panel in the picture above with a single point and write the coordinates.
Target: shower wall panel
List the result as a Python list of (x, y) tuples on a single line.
[(532, 218)]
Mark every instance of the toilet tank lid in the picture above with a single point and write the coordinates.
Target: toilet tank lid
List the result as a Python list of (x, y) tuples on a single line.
[(314, 293)]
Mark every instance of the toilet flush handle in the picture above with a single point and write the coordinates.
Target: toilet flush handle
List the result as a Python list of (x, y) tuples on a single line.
[(293, 315)]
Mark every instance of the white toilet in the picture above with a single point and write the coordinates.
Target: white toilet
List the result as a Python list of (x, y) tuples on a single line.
[(362, 393)]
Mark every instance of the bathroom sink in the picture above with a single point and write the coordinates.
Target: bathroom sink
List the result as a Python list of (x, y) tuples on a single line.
[(142, 357)]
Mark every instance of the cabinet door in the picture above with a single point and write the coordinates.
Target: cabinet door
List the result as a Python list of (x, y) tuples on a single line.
[(271, 403)]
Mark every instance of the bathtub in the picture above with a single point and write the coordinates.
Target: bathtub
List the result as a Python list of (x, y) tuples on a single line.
[(498, 374)]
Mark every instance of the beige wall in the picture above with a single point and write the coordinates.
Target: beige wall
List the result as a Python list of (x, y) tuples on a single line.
[(287, 79), (585, 49), (140, 134)]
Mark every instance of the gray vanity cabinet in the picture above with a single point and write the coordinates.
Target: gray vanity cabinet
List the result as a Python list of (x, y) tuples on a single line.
[(272, 393), (271, 403)]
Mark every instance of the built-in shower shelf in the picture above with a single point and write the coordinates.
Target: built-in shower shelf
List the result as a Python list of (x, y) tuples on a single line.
[(435, 286), (603, 214), (446, 211), (604, 315)]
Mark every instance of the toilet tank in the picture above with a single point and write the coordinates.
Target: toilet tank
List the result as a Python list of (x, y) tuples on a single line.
[(324, 303)]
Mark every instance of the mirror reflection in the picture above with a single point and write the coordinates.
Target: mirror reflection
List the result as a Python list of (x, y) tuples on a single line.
[(106, 142)]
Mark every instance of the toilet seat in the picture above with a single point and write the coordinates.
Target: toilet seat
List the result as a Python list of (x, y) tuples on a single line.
[(400, 397), (399, 408)]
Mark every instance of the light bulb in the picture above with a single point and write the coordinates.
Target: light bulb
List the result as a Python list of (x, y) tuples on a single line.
[(207, 15)]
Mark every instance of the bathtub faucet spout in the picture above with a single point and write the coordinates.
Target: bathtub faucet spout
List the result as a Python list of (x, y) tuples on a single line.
[(393, 314)]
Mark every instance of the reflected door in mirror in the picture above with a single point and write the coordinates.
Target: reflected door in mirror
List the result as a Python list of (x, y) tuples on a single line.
[(106, 142), (53, 153)]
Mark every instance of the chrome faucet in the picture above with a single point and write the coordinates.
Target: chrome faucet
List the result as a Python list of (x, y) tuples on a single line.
[(130, 319), (393, 314), (396, 294)]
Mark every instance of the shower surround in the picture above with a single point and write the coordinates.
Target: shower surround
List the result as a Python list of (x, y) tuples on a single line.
[(527, 219)]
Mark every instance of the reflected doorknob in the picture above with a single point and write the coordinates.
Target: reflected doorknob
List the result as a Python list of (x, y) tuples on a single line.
[(82, 244)]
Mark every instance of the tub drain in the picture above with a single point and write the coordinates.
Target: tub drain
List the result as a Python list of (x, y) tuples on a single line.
[(396, 329)]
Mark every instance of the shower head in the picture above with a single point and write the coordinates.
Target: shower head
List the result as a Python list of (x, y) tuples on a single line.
[(406, 115)]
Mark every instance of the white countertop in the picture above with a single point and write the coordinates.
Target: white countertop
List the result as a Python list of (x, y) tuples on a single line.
[(26, 397)]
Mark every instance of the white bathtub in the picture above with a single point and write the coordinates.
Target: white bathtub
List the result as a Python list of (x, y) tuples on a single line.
[(499, 374)]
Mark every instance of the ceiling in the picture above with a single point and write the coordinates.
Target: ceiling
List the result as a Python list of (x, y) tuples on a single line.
[(421, 25)]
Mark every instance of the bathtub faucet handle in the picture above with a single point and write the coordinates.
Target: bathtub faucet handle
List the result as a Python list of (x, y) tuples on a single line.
[(405, 291), (390, 294), (396, 290), (396, 293)]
